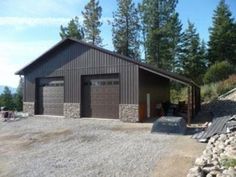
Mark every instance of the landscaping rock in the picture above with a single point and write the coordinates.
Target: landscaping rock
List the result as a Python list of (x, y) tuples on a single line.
[(210, 164), (209, 167), (200, 161), (195, 172), (222, 137), (230, 172)]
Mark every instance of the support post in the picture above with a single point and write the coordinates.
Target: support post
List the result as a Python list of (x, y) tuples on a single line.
[(189, 116)]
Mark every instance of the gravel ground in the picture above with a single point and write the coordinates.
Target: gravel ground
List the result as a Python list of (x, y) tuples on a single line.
[(49, 146)]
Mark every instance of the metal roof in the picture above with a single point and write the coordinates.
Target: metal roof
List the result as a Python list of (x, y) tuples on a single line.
[(158, 71), (218, 126)]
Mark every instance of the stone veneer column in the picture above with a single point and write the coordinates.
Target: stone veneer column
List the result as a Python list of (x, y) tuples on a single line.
[(28, 107), (72, 110), (129, 112)]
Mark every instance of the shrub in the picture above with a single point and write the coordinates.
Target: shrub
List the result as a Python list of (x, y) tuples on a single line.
[(226, 85), (209, 92), (178, 95), (218, 71), (228, 162)]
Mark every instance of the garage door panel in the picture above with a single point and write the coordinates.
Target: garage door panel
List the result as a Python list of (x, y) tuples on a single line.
[(100, 96), (51, 96)]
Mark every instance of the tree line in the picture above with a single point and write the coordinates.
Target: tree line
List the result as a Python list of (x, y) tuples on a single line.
[(12, 101), (152, 32)]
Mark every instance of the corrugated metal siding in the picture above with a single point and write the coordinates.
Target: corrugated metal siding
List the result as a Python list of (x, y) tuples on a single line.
[(74, 60)]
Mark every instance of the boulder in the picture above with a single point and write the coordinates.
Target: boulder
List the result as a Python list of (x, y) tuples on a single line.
[(200, 161)]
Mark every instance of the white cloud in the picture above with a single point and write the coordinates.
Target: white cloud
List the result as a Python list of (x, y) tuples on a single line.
[(40, 8), (15, 55), (7, 77), (30, 21), (42, 21)]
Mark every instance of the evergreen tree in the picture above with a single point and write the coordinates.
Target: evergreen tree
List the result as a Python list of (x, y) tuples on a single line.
[(173, 44), (7, 99), (192, 56), (92, 15), (18, 98), (203, 55), (125, 29), (1, 101), (73, 30), (163, 32), (222, 41)]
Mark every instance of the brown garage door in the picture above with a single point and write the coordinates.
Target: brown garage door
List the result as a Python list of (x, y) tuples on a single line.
[(100, 96), (50, 96)]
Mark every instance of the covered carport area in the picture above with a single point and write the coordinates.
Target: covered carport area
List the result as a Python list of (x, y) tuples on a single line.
[(161, 87)]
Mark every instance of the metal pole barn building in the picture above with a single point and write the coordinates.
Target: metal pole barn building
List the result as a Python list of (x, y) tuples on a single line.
[(75, 79)]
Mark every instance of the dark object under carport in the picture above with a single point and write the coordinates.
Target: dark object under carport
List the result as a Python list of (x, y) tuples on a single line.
[(175, 125)]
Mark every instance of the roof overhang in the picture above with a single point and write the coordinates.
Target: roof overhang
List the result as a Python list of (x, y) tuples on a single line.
[(163, 75)]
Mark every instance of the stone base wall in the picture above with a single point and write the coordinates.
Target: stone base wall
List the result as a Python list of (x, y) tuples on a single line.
[(129, 112), (28, 107), (72, 110)]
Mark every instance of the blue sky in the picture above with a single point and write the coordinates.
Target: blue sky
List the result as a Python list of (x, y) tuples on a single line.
[(30, 27)]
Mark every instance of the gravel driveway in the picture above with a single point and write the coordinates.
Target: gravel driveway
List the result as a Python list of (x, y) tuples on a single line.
[(49, 146)]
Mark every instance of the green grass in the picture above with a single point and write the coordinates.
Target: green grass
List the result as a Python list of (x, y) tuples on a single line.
[(228, 162)]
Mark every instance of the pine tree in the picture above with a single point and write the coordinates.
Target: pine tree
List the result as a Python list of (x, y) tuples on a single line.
[(203, 55), (1, 101), (18, 98), (192, 56), (173, 44), (92, 15), (125, 29), (7, 99), (163, 32), (222, 41), (73, 30)]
